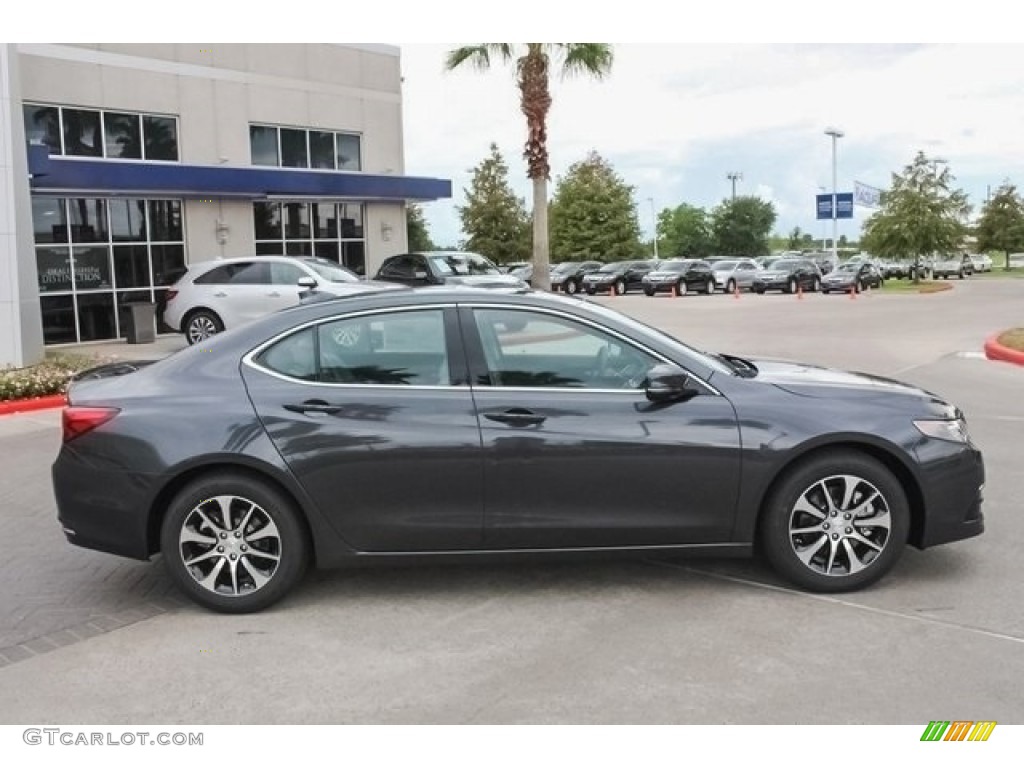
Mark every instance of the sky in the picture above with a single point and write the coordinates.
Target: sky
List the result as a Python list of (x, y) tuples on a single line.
[(675, 119)]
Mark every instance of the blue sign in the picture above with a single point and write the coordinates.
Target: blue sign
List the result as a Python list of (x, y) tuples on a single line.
[(844, 206)]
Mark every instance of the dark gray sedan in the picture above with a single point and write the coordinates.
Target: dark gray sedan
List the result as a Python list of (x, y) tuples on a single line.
[(466, 423)]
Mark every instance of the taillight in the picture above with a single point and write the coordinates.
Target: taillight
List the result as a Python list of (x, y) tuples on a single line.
[(171, 293), (77, 420)]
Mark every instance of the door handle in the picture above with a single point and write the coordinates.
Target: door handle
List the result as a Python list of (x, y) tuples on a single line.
[(313, 406), (220, 295), (275, 294), (516, 417)]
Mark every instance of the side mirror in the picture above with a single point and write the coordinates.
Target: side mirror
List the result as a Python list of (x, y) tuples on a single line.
[(307, 282), (667, 383)]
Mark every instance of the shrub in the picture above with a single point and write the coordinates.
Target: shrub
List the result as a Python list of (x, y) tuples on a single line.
[(50, 377)]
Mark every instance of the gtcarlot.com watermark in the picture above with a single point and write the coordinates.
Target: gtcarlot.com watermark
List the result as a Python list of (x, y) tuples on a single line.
[(60, 737)]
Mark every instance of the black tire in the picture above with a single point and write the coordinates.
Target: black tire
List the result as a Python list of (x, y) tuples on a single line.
[(759, 291), (825, 291), (619, 287), (791, 285), (709, 287), (858, 286), (960, 276), (805, 485), (730, 287), (200, 325), (681, 288), (262, 534), (591, 291), (649, 291), (571, 287), (816, 286)]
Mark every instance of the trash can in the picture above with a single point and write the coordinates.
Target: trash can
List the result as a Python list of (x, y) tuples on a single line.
[(140, 322)]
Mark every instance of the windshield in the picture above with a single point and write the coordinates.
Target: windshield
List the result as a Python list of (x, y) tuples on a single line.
[(462, 264), (674, 266), (724, 265), (331, 272), (565, 266), (616, 267), (848, 268), (782, 264)]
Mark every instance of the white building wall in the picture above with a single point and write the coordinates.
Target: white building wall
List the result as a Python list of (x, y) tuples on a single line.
[(217, 90)]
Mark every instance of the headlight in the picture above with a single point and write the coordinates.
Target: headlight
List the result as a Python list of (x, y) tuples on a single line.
[(954, 430)]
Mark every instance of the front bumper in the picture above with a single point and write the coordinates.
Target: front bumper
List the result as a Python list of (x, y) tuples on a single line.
[(953, 480)]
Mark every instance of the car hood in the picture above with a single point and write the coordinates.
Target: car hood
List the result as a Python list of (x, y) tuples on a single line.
[(838, 277), (485, 281), (820, 382), (663, 275)]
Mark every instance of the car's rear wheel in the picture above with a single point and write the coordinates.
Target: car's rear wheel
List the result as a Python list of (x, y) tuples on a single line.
[(591, 291), (681, 288), (709, 287), (836, 522), (233, 543), (791, 285), (619, 287), (759, 291), (570, 287), (648, 291), (816, 286), (730, 287), (201, 325)]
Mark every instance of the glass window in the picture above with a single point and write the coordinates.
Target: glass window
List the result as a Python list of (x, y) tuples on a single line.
[(122, 135), (267, 218), (168, 263), (353, 256), (161, 137), (396, 348), (321, 149), (330, 271), (96, 316), (327, 250), (49, 219), (58, 319), (293, 356), (252, 273), (531, 349), (131, 266), (293, 148), (351, 220), (270, 249), (349, 155), (298, 248), (165, 221), (128, 220), (282, 273), (92, 267), (42, 126), (88, 220), (53, 267), (296, 221), (325, 221), (82, 135), (220, 275), (263, 145)]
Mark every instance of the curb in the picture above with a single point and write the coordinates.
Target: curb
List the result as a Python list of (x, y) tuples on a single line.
[(996, 351), (32, 404)]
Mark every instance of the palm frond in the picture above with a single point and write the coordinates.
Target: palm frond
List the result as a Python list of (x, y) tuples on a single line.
[(479, 55), (586, 58)]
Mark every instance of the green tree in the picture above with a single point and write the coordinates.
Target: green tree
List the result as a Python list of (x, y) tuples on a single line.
[(494, 219), (684, 231), (795, 240), (740, 227), (921, 214), (593, 214), (532, 75), (1001, 224), (416, 229)]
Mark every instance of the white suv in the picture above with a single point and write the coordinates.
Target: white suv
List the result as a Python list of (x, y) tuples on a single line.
[(220, 294)]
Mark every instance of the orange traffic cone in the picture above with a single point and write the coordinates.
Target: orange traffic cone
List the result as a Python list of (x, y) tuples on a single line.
[(735, 291), (800, 292), (675, 291), (853, 292)]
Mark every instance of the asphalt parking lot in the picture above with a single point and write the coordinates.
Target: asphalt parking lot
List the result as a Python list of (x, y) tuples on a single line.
[(86, 637)]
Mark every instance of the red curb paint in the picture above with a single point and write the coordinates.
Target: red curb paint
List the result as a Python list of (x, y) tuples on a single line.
[(32, 404), (996, 351)]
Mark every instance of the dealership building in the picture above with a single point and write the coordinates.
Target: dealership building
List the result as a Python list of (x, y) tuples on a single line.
[(120, 164)]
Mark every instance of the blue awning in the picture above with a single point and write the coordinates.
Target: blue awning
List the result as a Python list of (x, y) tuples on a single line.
[(80, 176)]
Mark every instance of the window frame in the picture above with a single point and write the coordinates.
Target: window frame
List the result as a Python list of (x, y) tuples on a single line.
[(63, 153)]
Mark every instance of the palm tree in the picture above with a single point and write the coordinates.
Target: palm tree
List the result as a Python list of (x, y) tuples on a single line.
[(535, 100)]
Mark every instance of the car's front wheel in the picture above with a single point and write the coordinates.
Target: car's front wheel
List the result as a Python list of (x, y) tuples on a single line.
[(233, 543), (730, 287), (201, 325), (570, 287), (619, 287), (836, 522), (791, 285), (709, 287)]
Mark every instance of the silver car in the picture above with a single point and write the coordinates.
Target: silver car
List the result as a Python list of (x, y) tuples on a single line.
[(733, 274)]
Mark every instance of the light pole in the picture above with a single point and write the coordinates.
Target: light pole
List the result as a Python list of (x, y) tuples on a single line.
[(824, 234), (734, 176), (835, 133), (654, 218)]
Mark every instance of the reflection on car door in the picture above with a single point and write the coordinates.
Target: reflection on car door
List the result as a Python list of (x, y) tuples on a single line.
[(373, 415), (575, 455)]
